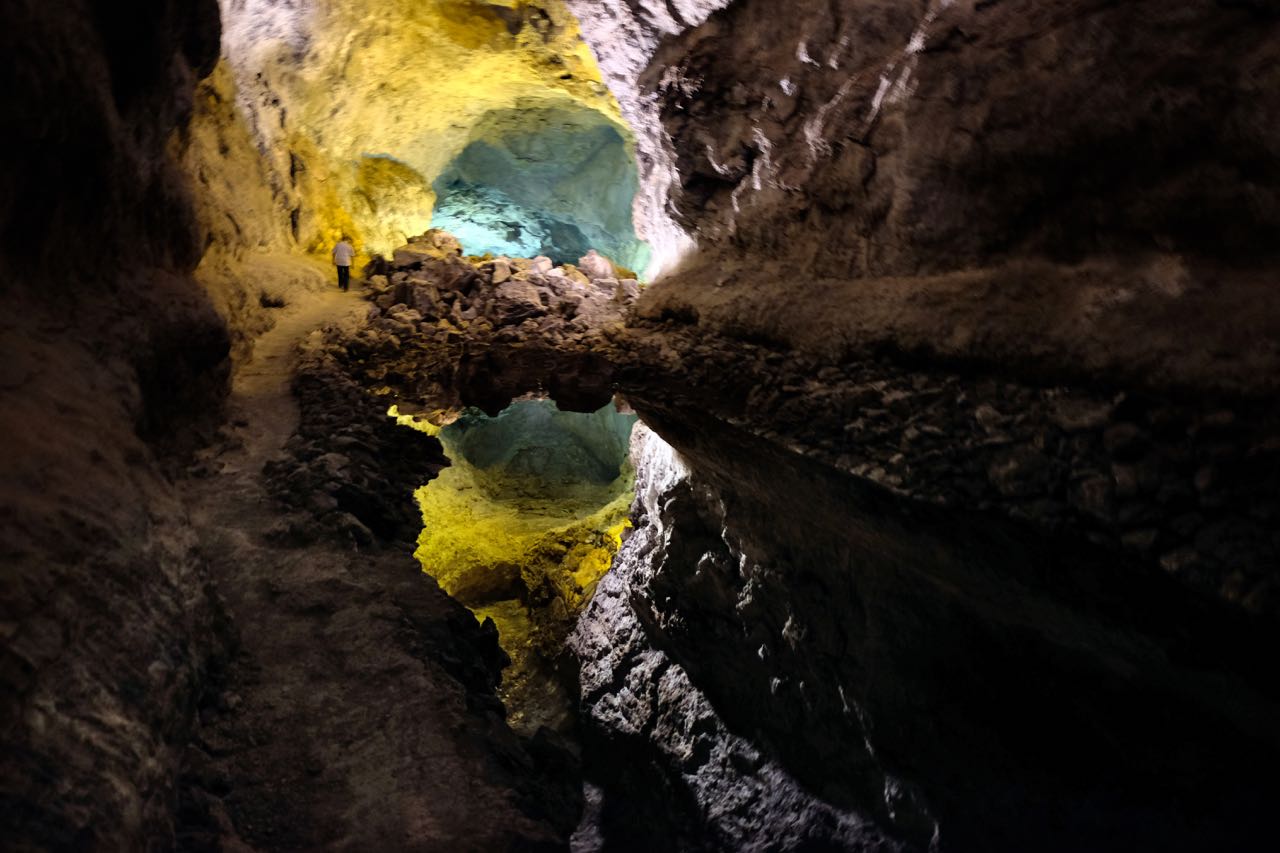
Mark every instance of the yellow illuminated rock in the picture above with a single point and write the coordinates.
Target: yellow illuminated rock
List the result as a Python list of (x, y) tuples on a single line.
[(526, 521), (363, 105)]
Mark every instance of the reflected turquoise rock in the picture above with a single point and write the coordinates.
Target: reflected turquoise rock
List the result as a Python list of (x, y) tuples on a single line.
[(532, 441), (543, 181)]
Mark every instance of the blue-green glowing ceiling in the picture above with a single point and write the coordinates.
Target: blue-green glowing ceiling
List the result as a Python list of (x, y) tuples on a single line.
[(543, 181)]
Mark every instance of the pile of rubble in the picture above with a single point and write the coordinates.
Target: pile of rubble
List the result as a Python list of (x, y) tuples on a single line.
[(430, 284)]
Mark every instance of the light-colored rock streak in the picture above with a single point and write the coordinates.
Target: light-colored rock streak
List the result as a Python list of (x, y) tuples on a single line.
[(624, 36)]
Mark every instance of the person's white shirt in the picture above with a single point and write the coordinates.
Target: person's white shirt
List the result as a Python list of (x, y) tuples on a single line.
[(343, 254)]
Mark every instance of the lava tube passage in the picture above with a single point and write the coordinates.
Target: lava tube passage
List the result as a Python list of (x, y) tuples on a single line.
[(522, 527)]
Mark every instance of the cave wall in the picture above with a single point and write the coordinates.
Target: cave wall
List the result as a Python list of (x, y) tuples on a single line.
[(911, 197), (246, 214), (886, 139), (1069, 185), (625, 38), (109, 348), (967, 347), (556, 182)]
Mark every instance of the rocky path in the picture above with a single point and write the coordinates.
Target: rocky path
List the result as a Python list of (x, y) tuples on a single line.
[(347, 721), (261, 402)]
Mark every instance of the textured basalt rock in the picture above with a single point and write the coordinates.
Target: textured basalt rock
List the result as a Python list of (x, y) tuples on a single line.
[(930, 679), (348, 470), (926, 582), (1003, 258), (625, 36), (665, 770), (456, 332), (246, 216), (1014, 183), (112, 356), (112, 641), (1182, 483)]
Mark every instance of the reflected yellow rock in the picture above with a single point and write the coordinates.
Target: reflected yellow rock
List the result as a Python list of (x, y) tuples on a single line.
[(485, 540), (523, 525)]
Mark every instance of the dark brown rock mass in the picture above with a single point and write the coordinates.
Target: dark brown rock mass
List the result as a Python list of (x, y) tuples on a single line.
[(1071, 187), (1005, 259), (110, 355), (793, 658)]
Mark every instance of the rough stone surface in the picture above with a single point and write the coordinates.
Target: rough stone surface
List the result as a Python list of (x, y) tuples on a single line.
[(932, 681), (335, 95), (246, 216), (665, 772), (1022, 184), (478, 334), (1146, 475), (1055, 509), (998, 257), (625, 36), (108, 626), (113, 641), (970, 357), (359, 708)]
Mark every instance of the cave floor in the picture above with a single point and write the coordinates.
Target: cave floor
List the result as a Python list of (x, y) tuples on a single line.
[(338, 728)]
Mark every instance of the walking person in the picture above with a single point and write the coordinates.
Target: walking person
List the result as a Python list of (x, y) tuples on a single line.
[(343, 254)]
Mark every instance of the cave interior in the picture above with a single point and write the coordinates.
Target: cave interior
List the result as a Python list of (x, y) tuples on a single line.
[(846, 427)]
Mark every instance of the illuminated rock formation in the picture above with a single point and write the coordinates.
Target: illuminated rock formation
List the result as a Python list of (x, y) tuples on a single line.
[(365, 108), (519, 487), (523, 525), (625, 36), (541, 181)]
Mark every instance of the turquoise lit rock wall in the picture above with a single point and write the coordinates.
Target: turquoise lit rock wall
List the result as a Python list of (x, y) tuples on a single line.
[(534, 180)]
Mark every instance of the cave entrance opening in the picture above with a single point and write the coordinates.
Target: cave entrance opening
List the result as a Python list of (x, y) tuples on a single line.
[(521, 528), (543, 180)]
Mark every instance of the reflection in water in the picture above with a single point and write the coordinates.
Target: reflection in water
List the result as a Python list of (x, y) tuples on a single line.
[(521, 528)]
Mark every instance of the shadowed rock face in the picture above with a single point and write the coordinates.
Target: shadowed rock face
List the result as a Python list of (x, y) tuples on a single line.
[(1049, 216), (112, 641), (828, 629), (1068, 186), (891, 138), (903, 137), (99, 88), (800, 658), (110, 354)]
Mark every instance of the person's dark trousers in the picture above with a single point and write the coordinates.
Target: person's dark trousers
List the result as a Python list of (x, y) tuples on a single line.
[(344, 277)]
